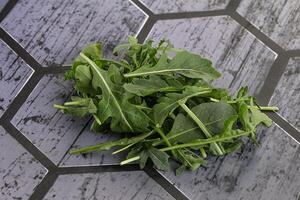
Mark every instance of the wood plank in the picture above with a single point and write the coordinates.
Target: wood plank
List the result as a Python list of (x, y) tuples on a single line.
[(13, 75), (54, 31), (278, 19), (19, 172), (171, 6), (49, 129), (271, 171), (287, 93), (117, 185)]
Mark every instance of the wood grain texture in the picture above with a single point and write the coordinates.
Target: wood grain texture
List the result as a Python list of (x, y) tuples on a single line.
[(88, 138), (2, 4), (271, 171), (278, 19), (108, 186), (170, 6), (50, 130), (19, 172), (13, 75), (239, 56), (54, 31), (287, 93)]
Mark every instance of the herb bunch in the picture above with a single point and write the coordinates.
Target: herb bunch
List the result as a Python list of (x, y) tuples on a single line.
[(160, 101)]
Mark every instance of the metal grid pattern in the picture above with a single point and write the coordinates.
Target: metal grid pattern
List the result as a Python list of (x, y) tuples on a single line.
[(273, 77)]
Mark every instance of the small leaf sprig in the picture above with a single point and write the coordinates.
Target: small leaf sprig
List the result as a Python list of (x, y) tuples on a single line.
[(160, 101)]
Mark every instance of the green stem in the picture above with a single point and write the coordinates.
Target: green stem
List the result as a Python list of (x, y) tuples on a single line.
[(205, 141), (263, 108), (199, 142), (130, 160), (172, 115), (229, 102), (73, 103), (164, 137), (123, 149), (109, 145), (201, 126), (203, 153), (143, 107), (59, 106), (97, 119)]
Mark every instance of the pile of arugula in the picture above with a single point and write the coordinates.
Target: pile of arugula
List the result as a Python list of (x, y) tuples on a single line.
[(159, 100)]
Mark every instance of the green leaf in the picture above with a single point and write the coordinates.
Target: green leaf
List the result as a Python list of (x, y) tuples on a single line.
[(132, 40), (189, 159), (159, 159), (169, 103), (119, 48), (78, 107), (184, 63), (159, 89), (125, 116), (143, 158), (231, 147), (184, 130), (83, 80), (180, 170), (145, 87), (98, 128), (93, 51), (251, 117), (214, 115), (258, 117), (228, 135)]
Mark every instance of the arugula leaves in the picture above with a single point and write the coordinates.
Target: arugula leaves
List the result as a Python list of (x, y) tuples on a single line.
[(162, 106), (183, 63)]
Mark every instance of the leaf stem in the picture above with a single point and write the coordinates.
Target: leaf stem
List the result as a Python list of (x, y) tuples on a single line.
[(201, 126), (164, 137), (205, 141), (263, 108), (59, 106), (126, 147), (203, 153), (229, 102), (108, 145), (73, 103), (97, 119), (123, 149), (130, 160)]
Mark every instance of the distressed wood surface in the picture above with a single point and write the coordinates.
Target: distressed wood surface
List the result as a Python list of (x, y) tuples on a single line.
[(239, 56), (2, 4), (110, 186), (271, 171), (19, 171), (170, 6), (13, 75), (287, 93), (88, 138), (278, 19), (54, 31), (47, 128)]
